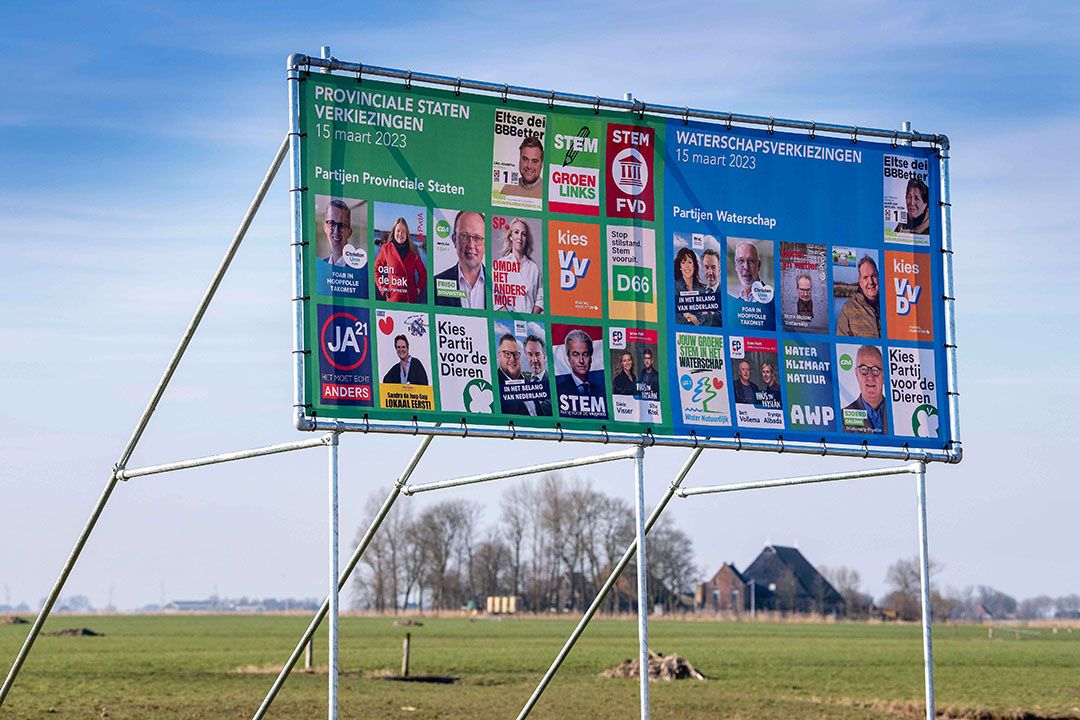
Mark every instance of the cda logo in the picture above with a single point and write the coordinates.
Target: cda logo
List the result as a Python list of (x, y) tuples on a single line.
[(846, 363), (442, 229)]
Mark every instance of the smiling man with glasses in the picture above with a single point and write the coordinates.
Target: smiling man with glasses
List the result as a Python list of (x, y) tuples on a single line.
[(467, 275), (870, 405), (338, 229)]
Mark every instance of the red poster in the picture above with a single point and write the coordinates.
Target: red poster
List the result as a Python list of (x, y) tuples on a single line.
[(629, 180)]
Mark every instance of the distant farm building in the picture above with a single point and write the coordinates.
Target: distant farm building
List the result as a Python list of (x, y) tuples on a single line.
[(780, 579)]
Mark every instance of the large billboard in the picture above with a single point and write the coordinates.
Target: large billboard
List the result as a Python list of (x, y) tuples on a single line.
[(475, 257)]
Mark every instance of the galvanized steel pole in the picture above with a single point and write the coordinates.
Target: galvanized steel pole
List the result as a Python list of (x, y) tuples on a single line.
[(144, 420), (606, 588), (642, 580), (349, 567), (332, 666), (924, 586), (518, 472)]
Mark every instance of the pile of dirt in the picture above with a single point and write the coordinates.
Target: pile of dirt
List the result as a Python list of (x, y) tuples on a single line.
[(408, 623), (13, 620), (73, 632), (670, 667)]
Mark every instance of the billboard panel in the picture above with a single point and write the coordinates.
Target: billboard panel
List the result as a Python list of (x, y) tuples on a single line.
[(470, 256)]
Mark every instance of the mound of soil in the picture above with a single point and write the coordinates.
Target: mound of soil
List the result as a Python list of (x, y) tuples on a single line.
[(408, 623), (13, 620), (73, 632), (670, 667)]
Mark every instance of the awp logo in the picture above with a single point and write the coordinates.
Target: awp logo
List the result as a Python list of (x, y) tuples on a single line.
[(343, 341)]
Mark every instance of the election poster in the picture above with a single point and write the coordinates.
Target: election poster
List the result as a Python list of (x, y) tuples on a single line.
[(523, 378), (517, 165), (862, 377), (696, 290), (570, 268), (344, 356), (906, 201), (631, 175), (808, 375), (702, 378), (340, 247), (461, 275), (804, 298), (909, 292), (755, 382), (463, 354), (400, 248), (404, 352), (751, 284), (574, 165), (579, 371), (631, 252), (635, 375), (517, 265), (913, 392), (574, 254), (856, 292)]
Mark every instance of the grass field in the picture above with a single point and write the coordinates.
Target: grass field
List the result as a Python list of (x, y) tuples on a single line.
[(222, 667)]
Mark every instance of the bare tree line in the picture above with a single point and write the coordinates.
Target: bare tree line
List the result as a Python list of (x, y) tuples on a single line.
[(979, 602), (554, 544)]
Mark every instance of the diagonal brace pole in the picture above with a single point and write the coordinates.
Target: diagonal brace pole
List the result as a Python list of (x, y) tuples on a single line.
[(155, 398), (631, 550), (360, 548)]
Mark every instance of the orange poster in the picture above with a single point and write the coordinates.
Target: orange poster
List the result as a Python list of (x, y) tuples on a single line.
[(574, 262), (908, 296)]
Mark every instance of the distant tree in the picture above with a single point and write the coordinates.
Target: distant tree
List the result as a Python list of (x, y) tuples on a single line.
[(787, 592), (995, 602), (904, 594), (670, 554), (446, 531), (414, 565), (1067, 606), (847, 580), (1036, 608), (516, 504), (492, 567)]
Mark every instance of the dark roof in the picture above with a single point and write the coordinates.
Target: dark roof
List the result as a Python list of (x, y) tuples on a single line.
[(769, 567), (734, 571)]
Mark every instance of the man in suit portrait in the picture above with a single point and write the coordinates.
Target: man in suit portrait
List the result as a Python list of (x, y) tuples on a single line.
[(467, 275), (408, 370)]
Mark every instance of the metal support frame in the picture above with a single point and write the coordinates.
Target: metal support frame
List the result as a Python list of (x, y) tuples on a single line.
[(602, 594), (224, 457), (517, 472), (642, 581), (144, 419), (630, 104), (918, 469), (361, 547), (924, 588), (627, 438), (332, 527)]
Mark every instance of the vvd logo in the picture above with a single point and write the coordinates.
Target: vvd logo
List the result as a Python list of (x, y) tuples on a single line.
[(907, 295), (571, 269)]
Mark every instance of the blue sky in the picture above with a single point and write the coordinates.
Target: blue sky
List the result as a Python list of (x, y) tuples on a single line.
[(134, 135)]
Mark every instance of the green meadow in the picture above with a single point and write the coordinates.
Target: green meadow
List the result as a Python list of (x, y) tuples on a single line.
[(222, 666)]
